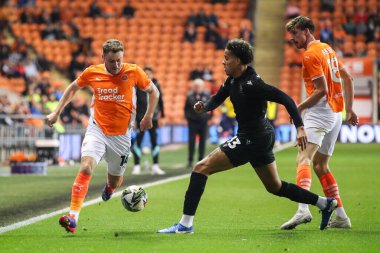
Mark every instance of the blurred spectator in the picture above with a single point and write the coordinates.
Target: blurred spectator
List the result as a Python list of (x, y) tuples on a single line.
[(190, 34), (360, 16), (326, 33), (76, 113), (196, 73), (95, 10), (373, 21), (31, 71), (55, 15), (328, 5), (192, 18), (42, 63), (361, 28), (247, 34), (197, 122), (213, 18), (201, 19), (212, 34), (219, 1), (77, 64), (206, 73), (292, 9), (201, 71), (53, 32), (128, 10), (350, 26), (25, 3)]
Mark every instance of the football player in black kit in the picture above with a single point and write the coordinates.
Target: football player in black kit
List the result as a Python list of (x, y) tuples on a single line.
[(254, 141)]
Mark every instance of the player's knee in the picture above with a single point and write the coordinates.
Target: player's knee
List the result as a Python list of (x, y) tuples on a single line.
[(273, 187), (86, 167), (201, 167), (303, 158)]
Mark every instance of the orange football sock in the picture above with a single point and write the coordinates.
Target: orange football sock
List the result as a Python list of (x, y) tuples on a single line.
[(304, 176), (330, 187), (79, 191)]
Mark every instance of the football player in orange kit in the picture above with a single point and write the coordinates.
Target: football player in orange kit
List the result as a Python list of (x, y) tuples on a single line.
[(108, 134), (321, 113)]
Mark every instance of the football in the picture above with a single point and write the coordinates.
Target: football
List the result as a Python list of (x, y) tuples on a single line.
[(134, 198)]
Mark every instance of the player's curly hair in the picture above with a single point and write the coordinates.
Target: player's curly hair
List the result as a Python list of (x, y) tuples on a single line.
[(300, 22), (241, 49), (113, 45)]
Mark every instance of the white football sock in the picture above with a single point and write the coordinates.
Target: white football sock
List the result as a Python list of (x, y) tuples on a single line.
[(321, 203), (76, 214), (303, 207), (340, 212), (187, 220)]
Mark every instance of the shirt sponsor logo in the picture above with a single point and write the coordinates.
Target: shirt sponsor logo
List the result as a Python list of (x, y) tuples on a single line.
[(110, 95)]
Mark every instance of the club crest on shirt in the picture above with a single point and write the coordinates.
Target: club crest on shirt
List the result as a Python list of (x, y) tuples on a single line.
[(124, 78)]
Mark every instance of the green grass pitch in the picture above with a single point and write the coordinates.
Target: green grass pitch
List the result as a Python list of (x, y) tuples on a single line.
[(236, 214)]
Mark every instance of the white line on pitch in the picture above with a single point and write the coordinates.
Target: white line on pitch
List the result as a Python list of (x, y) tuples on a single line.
[(97, 200)]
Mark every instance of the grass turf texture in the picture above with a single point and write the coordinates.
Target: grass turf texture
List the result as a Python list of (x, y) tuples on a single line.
[(236, 214)]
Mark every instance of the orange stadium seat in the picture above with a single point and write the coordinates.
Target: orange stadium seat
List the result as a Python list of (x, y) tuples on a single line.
[(154, 37)]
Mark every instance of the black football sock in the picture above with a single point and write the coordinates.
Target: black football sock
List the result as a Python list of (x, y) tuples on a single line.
[(297, 194), (194, 193)]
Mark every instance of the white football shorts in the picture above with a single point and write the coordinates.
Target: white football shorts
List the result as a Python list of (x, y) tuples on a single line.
[(114, 149), (322, 127)]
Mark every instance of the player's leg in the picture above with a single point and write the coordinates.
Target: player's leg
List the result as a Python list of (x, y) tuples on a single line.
[(303, 179), (191, 146), (117, 153), (116, 168), (269, 177), (156, 170), (202, 131), (93, 149), (326, 177), (137, 152), (216, 161)]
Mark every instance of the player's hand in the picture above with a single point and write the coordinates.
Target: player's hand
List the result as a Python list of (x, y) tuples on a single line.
[(146, 123), (301, 138), (51, 119), (352, 118), (199, 107)]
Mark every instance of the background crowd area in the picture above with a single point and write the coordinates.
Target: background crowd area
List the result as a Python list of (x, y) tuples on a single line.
[(44, 45)]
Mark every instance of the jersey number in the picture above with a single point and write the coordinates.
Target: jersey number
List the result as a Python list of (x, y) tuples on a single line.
[(124, 160), (333, 64), (233, 142)]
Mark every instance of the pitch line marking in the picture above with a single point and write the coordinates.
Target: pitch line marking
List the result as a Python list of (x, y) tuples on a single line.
[(99, 199)]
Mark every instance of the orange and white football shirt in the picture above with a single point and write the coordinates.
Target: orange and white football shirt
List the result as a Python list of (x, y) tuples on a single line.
[(320, 60), (114, 98)]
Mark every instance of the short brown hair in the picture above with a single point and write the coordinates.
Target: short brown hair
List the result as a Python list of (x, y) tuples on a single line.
[(112, 45), (300, 22)]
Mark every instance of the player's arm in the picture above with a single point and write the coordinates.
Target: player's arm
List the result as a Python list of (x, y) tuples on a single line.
[(348, 82), (146, 122), (270, 93), (215, 100), (320, 91), (66, 98)]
